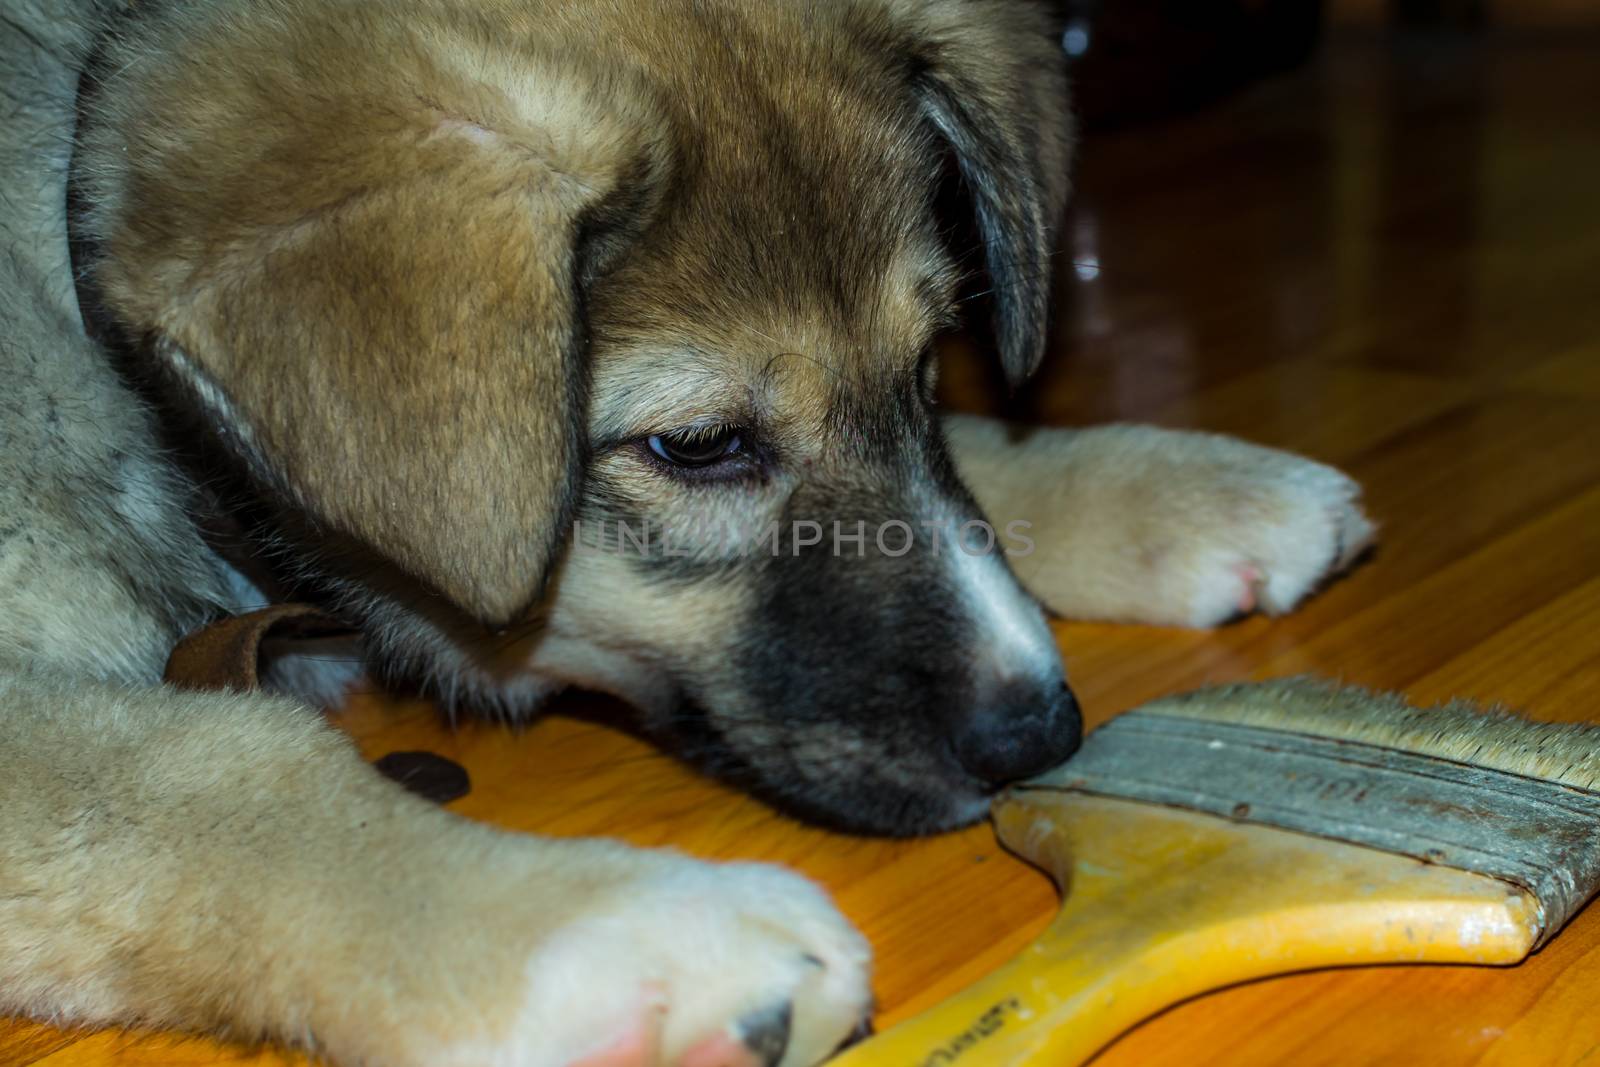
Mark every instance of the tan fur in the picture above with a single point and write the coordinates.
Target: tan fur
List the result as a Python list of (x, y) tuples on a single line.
[(427, 221), (422, 211), (358, 918), (431, 271)]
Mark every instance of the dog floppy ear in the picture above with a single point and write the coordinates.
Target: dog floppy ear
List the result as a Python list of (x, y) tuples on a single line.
[(362, 253), (991, 79)]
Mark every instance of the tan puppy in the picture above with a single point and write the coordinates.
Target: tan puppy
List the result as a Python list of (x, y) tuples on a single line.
[(556, 343)]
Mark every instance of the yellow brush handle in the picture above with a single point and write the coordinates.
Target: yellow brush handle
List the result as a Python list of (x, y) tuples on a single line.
[(1162, 904)]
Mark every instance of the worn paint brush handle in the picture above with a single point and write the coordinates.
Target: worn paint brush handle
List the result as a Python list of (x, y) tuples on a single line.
[(1162, 904)]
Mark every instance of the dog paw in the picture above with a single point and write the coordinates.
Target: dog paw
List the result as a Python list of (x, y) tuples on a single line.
[(692, 965), (1276, 528), (1193, 529), (1251, 529)]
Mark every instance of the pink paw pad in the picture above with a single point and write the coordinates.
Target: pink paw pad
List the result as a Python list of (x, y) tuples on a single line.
[(721, 1051), (641, 1046), (1253, 580), (635, 1049)]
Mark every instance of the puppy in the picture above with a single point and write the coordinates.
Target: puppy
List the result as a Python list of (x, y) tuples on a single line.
[(557, 342)]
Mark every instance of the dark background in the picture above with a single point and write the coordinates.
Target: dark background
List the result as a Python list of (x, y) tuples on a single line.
[(1143, 60)]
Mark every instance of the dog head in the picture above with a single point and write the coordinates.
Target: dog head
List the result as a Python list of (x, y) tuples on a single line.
[(591, 344)]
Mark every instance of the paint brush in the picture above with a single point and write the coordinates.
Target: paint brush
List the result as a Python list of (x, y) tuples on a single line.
[(1252, 830)]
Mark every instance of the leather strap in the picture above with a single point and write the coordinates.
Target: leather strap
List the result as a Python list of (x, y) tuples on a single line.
[(227, 653)]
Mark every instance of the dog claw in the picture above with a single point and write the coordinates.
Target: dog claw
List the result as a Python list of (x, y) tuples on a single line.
[(766, 1033), (758, 1040)]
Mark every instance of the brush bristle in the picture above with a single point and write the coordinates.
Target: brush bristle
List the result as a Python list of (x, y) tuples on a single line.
[(1568, 753)]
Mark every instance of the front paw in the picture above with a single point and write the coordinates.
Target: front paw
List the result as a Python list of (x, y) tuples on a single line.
[(686, 964), (1192, 529), (1271, 529)]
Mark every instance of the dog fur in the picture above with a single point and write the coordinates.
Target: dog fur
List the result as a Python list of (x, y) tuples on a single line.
[(408, 291)]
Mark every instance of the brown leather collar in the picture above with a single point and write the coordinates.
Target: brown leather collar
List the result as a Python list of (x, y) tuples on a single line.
[(227, 654)]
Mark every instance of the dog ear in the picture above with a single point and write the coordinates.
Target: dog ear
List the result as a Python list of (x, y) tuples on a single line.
[(369, 275), (991, 79)]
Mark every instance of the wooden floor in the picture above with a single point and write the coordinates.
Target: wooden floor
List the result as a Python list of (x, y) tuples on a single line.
[(1391, 262)]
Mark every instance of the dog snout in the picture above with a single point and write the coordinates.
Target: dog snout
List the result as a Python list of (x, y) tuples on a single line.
[(1020, 731)]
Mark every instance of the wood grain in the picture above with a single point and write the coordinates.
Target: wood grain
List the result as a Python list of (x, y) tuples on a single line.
[(1388, 261)]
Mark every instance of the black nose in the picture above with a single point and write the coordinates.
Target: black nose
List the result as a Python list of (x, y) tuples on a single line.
[(1020, 732)]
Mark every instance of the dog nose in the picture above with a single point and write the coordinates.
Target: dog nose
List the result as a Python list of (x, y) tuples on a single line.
[(1019, 733)]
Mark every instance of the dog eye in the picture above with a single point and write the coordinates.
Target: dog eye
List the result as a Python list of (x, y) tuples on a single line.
[(697, 447)]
